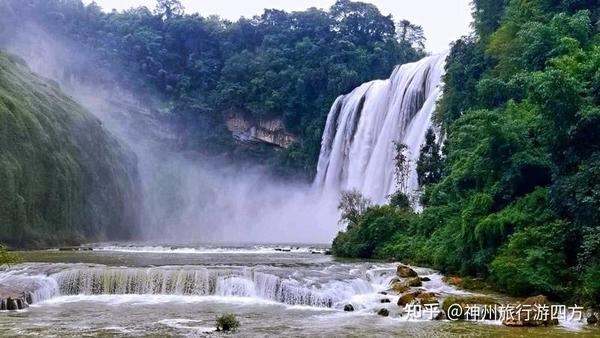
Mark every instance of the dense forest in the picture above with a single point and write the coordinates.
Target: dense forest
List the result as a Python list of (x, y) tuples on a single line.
[(289, 66), (63, 178), (514, 195)]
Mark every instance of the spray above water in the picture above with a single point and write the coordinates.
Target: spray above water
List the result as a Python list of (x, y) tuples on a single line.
[(188, 197), (185, 197), (358, 145)]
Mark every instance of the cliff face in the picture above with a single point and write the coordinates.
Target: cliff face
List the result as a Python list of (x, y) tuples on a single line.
[(63, 178), (270, 131)]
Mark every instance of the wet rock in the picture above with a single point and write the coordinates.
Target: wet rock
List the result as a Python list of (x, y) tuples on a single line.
[(383, 312), (28, 298), (440, 316), (525, 315), (407, 298), (3, 305), (404, 271), (462, 303), (399, 287), (348, 308), (425, 279), (592, 320), (11, 304), (427, 298), (385, 300), (415, 282), (383, 293)]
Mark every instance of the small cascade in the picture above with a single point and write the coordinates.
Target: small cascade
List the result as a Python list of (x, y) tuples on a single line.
[(196, 281), (357, 148)]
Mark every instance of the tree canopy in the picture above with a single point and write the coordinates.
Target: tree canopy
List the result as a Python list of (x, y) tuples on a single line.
[(279, 64), (514, 195)]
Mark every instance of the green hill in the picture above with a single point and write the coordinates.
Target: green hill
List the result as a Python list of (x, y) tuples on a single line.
[(63, 178)]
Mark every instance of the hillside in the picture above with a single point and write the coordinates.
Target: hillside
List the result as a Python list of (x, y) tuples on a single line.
[(514, 200), (285, 67), (63, 178)]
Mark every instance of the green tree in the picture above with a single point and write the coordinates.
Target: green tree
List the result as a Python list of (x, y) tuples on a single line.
[(429, 164), (352, 206)]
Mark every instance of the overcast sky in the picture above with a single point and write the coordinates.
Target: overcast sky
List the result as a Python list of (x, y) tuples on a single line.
[(443, 20)]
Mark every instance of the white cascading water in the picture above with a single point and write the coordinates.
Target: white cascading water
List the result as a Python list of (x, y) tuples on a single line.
[(358, 145), (193, 281)]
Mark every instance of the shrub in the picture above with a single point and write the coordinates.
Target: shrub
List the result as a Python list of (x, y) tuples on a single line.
[(227, 322), (6, 257)]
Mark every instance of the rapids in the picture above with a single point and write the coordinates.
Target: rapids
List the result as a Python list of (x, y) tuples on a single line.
[(140, 289)]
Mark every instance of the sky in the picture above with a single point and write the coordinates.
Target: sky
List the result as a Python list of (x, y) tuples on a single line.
[(442, 20)]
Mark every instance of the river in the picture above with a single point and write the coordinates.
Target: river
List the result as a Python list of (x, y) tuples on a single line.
[(140, 289)]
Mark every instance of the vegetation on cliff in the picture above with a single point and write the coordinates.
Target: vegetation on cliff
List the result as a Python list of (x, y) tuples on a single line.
[(285, 65), (516, 198), (62, 177)]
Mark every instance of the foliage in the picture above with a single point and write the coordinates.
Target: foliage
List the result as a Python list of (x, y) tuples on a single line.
[(227, 322), (6, 257), (429, 164), (365, 238), (515, 199), (352, 205), (62, 177), (401, 167), (284, 65)]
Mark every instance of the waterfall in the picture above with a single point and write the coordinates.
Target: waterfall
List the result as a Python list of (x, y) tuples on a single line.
[(195, 281), (358, 145)]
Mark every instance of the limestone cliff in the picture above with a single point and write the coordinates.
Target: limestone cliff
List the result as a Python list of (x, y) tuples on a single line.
[(271, 131)]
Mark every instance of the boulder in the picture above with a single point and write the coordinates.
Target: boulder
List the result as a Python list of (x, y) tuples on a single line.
[(415, 282), (383, 293), (592, 320), (463, 302), (404, 271), (383, 312), (3, 305), (11, 304), (348, 308), (454, 280), (440, 316), (426, 298), (385, 300), (526, 315), (407, 298), (425, 279), (399, 287)]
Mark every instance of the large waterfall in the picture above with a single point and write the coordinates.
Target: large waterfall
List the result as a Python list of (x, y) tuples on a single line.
[(358, 146)]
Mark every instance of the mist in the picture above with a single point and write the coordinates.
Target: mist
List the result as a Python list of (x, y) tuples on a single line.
[(185, 197)]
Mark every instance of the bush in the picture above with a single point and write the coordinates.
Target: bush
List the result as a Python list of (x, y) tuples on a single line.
[(6, 257), (372, 231), (227, 322)]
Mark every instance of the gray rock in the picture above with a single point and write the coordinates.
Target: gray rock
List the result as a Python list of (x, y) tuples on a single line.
[(383, 312), (11, 304)]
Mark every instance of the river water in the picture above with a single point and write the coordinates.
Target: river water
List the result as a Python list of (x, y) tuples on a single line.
[(138, 289)]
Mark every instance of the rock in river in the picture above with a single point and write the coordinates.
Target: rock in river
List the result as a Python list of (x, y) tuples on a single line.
[(404, 271)]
